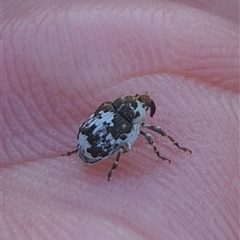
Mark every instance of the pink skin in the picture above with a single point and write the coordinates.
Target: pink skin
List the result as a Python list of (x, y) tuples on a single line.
[(61, 60)]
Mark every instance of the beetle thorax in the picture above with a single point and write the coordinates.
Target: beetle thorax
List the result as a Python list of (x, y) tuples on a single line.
[(131, 109), (140, 113)]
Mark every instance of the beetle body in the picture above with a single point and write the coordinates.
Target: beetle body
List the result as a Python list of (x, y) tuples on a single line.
[(114, 127), (111, 126)]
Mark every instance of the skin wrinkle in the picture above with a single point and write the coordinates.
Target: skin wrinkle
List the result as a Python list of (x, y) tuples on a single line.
[(25, 129), (15, 145), (151, 198), (33, 119), (215, 5), (39, 106)]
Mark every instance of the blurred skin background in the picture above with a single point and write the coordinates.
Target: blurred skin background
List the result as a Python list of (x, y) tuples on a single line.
[(61, 60)]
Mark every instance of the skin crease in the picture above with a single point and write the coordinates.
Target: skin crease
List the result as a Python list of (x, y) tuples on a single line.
[(61, 61)]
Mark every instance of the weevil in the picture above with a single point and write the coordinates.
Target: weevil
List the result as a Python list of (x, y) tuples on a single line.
[(114, 127)]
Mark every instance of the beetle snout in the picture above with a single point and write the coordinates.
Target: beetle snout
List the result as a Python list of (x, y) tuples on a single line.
[(152, 108)]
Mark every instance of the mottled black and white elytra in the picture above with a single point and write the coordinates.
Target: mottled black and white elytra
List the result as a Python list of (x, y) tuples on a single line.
[(114, 127)]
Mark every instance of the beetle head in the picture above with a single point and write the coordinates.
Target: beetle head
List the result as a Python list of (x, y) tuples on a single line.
[(148, 102)]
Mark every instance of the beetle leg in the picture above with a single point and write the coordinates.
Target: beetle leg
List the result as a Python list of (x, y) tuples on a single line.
[(159, 130), (125, 148), (69, 152), (149, 138)]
